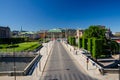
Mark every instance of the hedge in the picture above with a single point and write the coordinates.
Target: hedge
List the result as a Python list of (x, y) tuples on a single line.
[(90, 45), (97, 47), (79, 42), (11, 40), (84, 43), (71, 40)]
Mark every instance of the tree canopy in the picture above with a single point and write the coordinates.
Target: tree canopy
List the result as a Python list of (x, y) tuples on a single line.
[(94, 31)]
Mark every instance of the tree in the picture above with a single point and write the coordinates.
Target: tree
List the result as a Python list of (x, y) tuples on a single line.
[(97, 32), (94, 31), (111, 47), (114, 47)]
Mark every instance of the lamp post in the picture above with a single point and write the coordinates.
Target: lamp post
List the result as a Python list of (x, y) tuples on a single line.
[(40, 61), (14, 64), (119, 62), (119, 70)]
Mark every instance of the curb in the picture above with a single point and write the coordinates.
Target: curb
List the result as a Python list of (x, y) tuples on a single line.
[(69, 51), (46, 60), (91, 72)]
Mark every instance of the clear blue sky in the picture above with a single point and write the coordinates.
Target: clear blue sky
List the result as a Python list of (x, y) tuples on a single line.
[(34, 15)]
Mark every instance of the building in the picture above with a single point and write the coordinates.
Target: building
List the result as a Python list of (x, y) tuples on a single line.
[(79, 33), (42, 33), (70, 32), (28, 34), (55, 33), (117, 34), (15, 33), (5, 32)]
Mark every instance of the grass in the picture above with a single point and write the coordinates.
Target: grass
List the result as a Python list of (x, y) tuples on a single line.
[(26, 46)]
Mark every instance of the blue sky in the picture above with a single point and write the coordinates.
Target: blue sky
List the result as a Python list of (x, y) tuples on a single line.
[(34, 15)]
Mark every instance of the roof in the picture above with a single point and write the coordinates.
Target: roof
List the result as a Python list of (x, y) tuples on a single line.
[(55, 30), (27, 32), (118, 41)]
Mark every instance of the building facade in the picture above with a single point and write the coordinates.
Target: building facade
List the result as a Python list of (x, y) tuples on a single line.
[(5, 32), (79, 33), (55, 33)]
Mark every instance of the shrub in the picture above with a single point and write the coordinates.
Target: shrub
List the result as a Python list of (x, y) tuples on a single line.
[(97, 47), (11, 40), (13, 46), (71, 40), (90, 45), (79, 42), (84, 43)]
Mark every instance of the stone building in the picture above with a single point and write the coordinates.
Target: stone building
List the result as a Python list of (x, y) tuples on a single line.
[(5, 32)]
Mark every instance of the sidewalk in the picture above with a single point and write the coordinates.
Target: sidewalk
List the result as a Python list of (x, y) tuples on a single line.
[(92, 70)]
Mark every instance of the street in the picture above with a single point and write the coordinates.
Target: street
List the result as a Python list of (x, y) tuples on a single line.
[(62, 66)]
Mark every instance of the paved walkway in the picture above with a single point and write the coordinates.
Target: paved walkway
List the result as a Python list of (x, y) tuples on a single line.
[(92, 71), (62, 66), (36, 74)]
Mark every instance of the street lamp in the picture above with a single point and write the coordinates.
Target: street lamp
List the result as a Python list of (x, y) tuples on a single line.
[(40, 61), (14, 64), (119, 62), (119, 70)]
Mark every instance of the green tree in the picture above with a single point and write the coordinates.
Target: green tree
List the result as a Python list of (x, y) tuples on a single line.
[(94, 31), (114, 47)]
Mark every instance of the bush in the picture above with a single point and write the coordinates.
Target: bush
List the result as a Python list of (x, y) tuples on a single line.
[(11, 40), (114, 47), (90, 45), (13, 46), (79, 42), (94, 48), (84, 43), (41, 40), (1, 47), (97, 47), (71, 40)]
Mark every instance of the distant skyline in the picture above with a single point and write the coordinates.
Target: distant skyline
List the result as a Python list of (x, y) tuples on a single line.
[(35, 15)]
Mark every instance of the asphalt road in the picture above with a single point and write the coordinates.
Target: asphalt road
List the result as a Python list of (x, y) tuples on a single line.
[(62, 66)]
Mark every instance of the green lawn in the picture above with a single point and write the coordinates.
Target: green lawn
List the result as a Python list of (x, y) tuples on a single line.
[(26, 46)]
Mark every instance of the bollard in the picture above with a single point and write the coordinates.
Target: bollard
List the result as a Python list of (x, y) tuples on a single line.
[(76, 52), (101, 71)]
